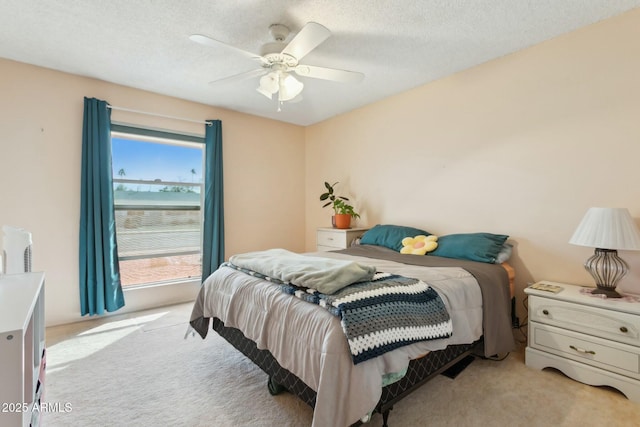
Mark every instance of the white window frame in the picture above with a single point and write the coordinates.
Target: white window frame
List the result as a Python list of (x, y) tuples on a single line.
[(124, 131)]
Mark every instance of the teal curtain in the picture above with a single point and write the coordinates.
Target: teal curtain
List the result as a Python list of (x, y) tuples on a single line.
[(100, 287), (213, 233)]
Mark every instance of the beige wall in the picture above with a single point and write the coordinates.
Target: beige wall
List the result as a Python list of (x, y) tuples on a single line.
[(40, 151), (522, 146)]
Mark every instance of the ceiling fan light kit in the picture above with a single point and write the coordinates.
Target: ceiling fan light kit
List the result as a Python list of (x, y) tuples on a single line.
[(278, 60), (287, 86)]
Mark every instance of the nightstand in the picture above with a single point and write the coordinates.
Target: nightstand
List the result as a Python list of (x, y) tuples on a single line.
[(592, 340), (332, 239)]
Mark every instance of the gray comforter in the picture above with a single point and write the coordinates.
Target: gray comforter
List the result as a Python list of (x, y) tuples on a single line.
[(309, 341), (496, 322)]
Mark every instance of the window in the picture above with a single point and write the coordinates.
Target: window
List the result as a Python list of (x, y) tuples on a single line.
[(158, 198)]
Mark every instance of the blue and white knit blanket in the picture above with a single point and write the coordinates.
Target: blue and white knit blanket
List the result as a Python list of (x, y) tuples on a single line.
[(383, 314), (380, 315)]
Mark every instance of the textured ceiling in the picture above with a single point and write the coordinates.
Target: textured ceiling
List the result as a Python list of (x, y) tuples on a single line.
[(397, 44)]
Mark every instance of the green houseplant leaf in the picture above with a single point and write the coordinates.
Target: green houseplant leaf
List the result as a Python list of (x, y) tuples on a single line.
[(338, 202)]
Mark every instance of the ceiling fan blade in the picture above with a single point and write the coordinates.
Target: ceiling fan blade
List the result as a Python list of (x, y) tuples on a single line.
[(241, 76), (208, 41), (333, 74), (309, 37)]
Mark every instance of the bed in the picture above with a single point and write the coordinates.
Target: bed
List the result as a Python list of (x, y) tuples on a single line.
[(302, 346)]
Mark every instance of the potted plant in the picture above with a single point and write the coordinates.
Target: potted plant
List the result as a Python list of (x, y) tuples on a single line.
[(343, 211)]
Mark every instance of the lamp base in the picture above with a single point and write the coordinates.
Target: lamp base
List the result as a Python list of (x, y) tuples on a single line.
[(608, 292), (606, 268)]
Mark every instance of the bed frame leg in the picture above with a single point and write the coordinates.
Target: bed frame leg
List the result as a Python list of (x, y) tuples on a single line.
[(385, 417), (274, 388)]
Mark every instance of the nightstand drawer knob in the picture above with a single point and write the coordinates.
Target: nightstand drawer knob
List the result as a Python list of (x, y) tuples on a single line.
[(582, 350), (623, 329), (545, 312)]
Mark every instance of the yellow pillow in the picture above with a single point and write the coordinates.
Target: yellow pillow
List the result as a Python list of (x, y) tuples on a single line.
[(419, 245)]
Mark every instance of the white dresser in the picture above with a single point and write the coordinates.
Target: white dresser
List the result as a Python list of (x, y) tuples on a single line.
[(592, 340), (332, 239), (22, 338)]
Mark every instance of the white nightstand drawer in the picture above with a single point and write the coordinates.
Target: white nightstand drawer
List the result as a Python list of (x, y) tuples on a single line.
[(334, 239), (608, 355), (331, 239), (608, 324)]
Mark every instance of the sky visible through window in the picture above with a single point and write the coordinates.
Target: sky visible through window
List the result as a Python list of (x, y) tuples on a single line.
[(149, 161)]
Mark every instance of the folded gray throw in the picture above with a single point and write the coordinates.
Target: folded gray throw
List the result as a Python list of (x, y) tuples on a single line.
[(326, 275)]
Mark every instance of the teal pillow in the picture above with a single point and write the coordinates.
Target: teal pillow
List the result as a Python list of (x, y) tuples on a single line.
[(390, 236), (482, 247)]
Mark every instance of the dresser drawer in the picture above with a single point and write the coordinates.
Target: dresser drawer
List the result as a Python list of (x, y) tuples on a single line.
[(608, 324), (611, 356)]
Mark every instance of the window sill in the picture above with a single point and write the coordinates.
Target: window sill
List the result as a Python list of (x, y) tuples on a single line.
[(162, 284)]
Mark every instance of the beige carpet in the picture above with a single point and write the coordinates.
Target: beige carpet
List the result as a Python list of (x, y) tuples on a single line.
[(137, 370)]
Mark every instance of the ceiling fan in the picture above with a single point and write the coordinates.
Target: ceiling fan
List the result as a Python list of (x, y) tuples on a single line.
[(278, 62)]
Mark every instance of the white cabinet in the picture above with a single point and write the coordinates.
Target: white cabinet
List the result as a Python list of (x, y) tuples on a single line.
[(331, 239), (592, 340), (21, 348)]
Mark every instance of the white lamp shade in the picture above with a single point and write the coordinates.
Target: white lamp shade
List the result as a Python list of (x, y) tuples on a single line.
[(268, 84), (607, 228), (290, 87)]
